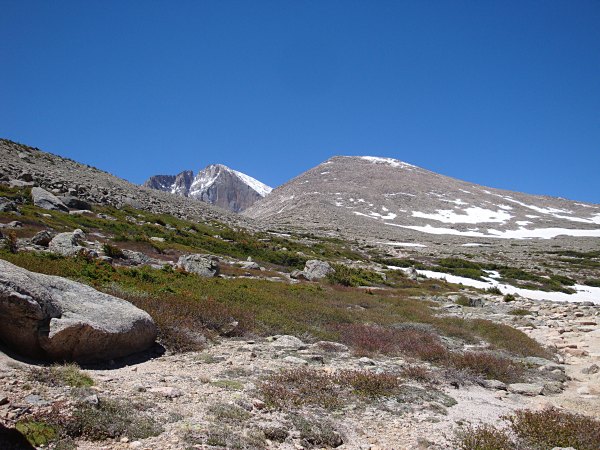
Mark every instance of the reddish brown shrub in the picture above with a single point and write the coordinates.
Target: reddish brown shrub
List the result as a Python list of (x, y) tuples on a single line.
[(552, 427), (488, 365), (373, 339)]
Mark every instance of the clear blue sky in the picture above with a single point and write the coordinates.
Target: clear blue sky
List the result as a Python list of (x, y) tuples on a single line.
[(501, 93)]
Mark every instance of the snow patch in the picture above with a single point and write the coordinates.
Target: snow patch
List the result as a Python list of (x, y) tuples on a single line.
[(521, 233), (471, 215), (262, 189), (402, 244), (389, 161), (582, 294), (374, 215)]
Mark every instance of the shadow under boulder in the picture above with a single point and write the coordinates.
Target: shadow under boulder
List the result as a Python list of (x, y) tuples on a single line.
[(11, 439)]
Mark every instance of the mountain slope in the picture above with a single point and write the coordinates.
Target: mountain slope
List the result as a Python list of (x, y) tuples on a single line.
[(386, 198), (217, 184), (23, 164)]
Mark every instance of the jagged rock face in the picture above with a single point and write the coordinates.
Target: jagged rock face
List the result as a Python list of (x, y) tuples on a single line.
[(176, 184), (383, 199), (216, 184), (160, 182), (227, 188)]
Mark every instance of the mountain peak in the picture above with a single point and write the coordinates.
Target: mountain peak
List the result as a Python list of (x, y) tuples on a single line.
[(384, 198), (217, 184)]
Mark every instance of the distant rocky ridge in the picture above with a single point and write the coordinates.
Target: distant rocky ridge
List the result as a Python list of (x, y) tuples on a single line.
[(22, 165), (217, 184)]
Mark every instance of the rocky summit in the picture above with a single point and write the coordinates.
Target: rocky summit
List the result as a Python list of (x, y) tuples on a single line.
[(216, 184)]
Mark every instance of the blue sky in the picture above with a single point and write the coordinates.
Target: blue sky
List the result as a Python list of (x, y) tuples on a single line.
[(501, 93)]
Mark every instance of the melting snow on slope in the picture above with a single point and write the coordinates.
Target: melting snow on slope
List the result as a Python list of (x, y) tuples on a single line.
[(388, 216), (521, 233), (402, 244), (389, 161), (583, 294), (471, 215)]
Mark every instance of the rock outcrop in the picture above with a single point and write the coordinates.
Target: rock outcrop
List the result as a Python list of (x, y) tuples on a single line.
[(203, 265), (317, 270), (67, 244), (53, 318), (46, 200)]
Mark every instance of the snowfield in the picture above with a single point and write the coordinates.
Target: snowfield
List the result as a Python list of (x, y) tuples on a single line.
[(471, 215), (521, 233), (583, 294)]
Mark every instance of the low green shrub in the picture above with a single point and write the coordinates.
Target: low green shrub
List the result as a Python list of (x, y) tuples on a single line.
[(110, 419), (519, 312), (350, 276), (494, 290), (593, 283), (61, 375), (112, 251)]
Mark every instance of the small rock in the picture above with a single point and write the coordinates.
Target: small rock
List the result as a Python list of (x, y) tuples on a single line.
[(552, 388), (366, 361), (42, 238), (289, 342), (494, 384), (298, 275), (329, 346), (590, 370), (167, 391), (295, 360), (250, 265), (576, 352), (528, 389)]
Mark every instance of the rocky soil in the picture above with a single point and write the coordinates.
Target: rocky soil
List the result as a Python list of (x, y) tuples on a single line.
[(192, 393)]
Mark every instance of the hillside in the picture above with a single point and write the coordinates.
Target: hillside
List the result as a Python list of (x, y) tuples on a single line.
[(27, 166), (382, 197)]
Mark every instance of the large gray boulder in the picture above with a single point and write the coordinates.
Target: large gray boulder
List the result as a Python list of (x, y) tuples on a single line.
[(317, 270), (203, 265), (50, 317), (46, 200), (67, 244)]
